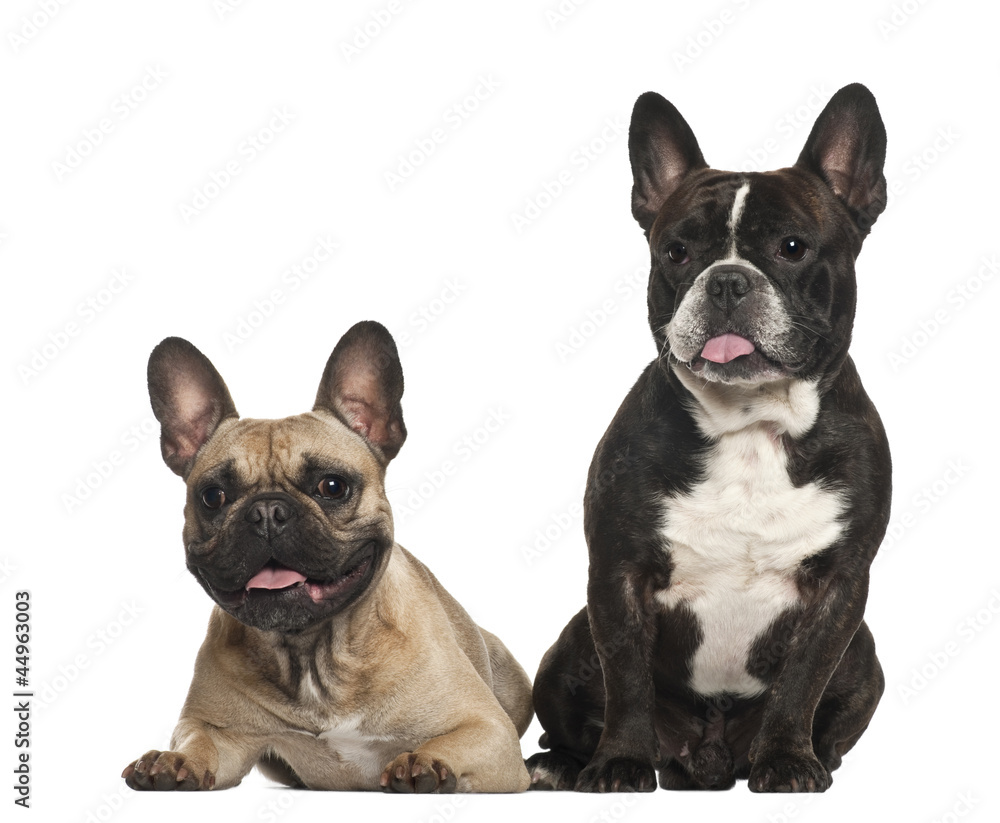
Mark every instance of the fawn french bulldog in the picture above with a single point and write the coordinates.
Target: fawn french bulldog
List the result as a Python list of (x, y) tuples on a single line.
[(334, 658)]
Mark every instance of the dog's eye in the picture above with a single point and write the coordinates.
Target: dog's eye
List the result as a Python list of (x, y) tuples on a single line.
[(332, 487), (677, 253), (213, 497), (792, 249)]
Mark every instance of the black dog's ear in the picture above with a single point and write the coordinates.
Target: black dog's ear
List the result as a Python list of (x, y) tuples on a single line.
[(847, 149), (663, 150), (189, 399), (362, 385)]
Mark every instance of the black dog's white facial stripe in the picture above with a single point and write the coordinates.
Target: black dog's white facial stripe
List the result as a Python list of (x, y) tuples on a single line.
[(733, 224)]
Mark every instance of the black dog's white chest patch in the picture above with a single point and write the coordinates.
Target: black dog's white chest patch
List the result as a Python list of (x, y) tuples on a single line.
[(736, 541)]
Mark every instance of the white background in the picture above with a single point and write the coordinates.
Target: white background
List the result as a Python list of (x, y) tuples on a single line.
[(92, 517)]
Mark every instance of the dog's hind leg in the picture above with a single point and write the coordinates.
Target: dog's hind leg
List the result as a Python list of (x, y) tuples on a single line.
[(511, 683), (569, 701), (849, 701)]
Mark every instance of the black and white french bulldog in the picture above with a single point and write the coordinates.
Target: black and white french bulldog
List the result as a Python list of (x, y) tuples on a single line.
[(737, 499)]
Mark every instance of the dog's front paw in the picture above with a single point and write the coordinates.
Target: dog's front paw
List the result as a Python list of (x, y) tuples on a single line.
[(415, 772), (167, 771), (788, 772), (616, 774)]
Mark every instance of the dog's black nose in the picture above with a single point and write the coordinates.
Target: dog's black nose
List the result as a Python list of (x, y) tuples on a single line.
[(268, 516), (727, 287)]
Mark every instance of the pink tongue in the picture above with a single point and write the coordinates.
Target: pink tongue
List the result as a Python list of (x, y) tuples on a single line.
[(726, 347), (272, 578)]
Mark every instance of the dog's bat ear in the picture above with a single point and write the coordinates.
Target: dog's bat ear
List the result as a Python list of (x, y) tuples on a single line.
[(362, 385), (663, 151), (847, 149), (188, 397)]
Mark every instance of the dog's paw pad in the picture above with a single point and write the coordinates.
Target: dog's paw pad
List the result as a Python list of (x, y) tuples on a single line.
[(414, 772), (166, 771)]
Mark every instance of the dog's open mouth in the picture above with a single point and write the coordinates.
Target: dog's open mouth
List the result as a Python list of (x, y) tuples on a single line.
[(276, 586), (732, 358), (275, 577), (726, 347)]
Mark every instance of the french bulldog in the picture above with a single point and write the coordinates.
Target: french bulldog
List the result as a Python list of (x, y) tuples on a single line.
[(736, 501), (334, 658)]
